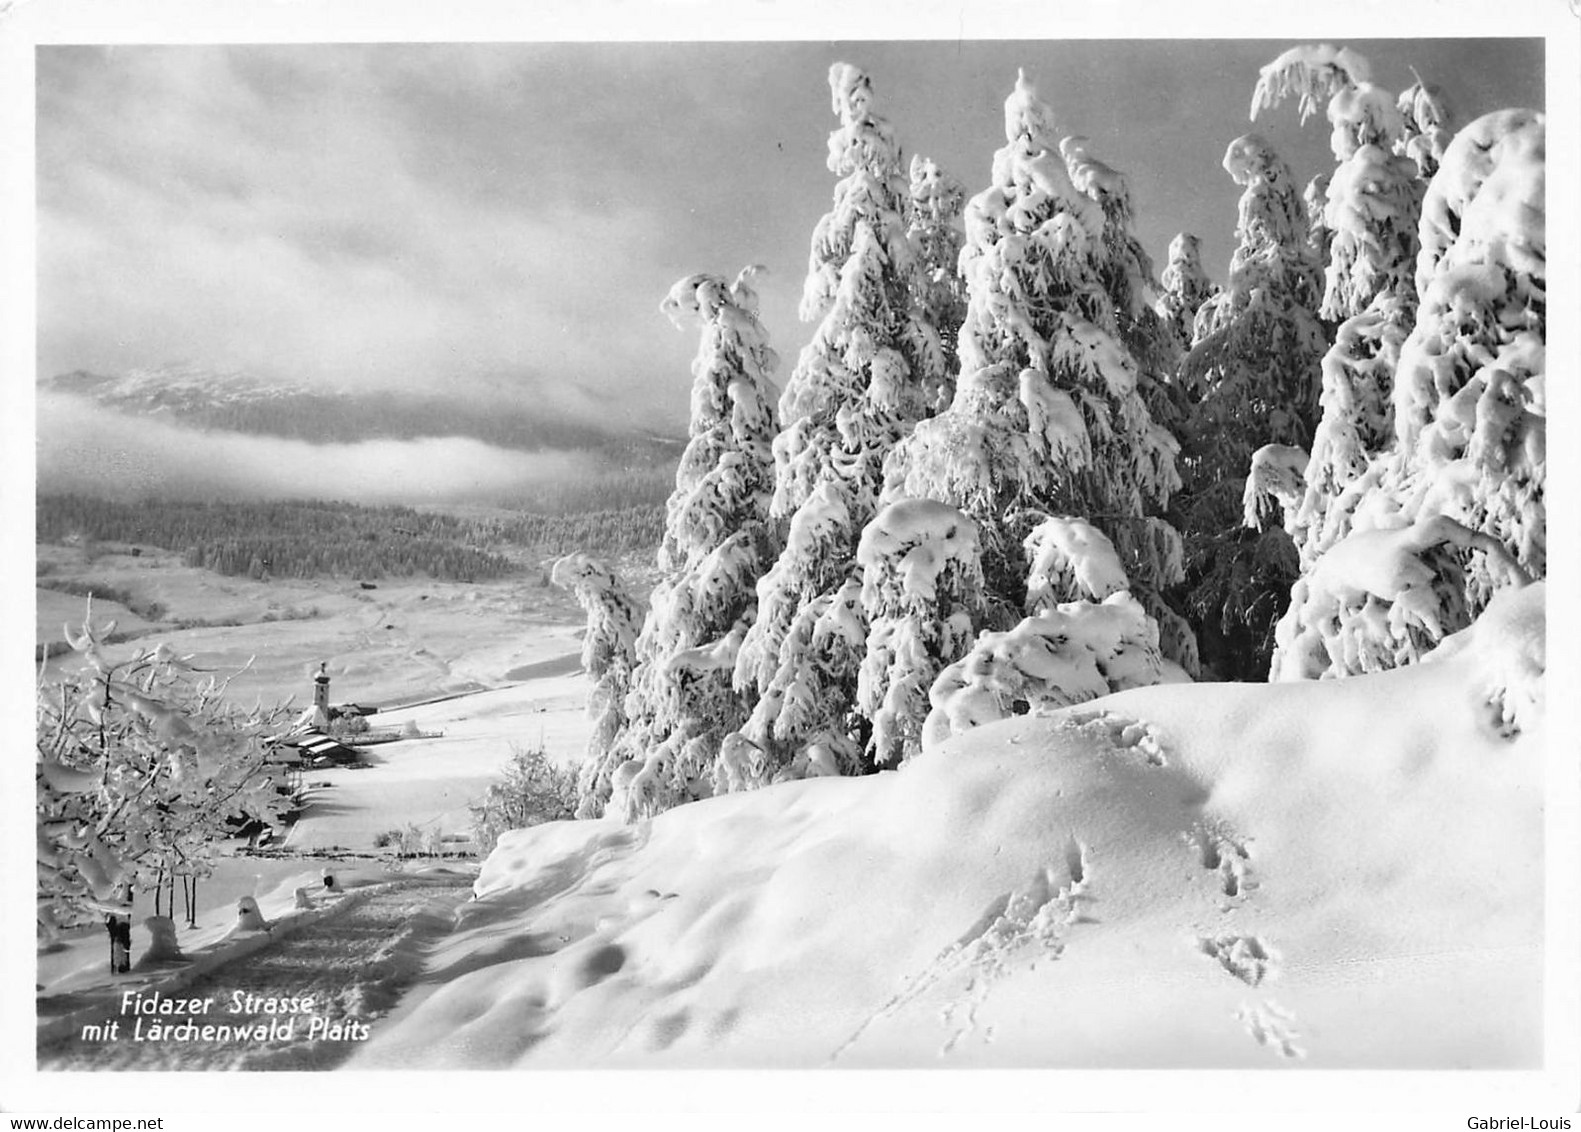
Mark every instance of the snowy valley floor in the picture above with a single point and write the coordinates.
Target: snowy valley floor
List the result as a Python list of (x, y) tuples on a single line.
[(1330, 875)]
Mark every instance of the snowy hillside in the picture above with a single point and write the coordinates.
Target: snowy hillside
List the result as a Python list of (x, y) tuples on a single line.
[(1326, 874)]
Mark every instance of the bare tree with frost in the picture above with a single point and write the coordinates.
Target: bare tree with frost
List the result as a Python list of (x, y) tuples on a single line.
[(1453, 510), (717, 538), (142, 770), (875, 366), (608, 656)]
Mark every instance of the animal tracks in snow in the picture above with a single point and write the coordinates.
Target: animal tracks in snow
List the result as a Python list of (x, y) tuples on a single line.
[(1272, 1026), (1122, 732), (1250, 959), (1030, 918), (1247, 957), (1222, 852)]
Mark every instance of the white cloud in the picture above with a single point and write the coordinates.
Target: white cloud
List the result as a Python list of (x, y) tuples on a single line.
[(85, 448)]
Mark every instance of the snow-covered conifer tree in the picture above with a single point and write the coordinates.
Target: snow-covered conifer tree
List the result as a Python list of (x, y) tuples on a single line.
[(933, 225), (1252, 374), (1185, 287), (1428, 125), (1047, 416), (1371, 207), (1125, 269), (608, 655), (717, 537), (1315, 196), (922, 590), (875, 365), (1416, 543)]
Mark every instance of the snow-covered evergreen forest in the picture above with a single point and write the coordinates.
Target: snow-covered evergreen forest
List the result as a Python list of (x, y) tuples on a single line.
[(1017, 467)]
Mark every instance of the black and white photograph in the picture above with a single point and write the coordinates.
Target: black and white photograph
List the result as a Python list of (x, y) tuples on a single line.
[(748, 539)]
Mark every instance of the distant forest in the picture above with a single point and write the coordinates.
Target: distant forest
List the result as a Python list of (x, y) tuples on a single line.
[(309, 538)]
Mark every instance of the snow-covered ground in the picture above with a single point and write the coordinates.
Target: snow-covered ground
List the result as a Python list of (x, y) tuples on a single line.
[(1336, 874), (1330, 874)]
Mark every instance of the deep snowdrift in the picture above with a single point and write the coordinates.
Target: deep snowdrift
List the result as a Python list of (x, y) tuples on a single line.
[(1330, 873)]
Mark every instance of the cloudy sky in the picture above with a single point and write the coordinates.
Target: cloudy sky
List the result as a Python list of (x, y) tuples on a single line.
[(430, 215)]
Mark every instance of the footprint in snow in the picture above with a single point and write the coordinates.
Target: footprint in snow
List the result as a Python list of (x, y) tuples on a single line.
[(1220, 851), (1122, 732), (1032, 917), (1247, 957), (1272, 1026)]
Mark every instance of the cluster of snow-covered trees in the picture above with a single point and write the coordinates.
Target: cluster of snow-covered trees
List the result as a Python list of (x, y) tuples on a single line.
[(1014, 470)]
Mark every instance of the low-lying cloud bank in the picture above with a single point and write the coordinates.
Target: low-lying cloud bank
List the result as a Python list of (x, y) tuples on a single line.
[(83, 447)]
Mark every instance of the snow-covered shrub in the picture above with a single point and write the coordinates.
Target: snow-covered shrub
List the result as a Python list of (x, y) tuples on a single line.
[(1468, 453), (1047, 414), (1382, 598), (142, 767), (531, 791), (717, 538), (1252, 377), (922, 593), (1063, 654), (875, 365), (608, 656)]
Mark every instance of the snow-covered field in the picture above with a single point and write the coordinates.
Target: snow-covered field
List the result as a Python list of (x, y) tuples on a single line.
[(400, 641)]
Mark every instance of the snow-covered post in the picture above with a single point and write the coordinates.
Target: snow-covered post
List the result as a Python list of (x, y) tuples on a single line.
[(1047, 413), (874, 366), (608, 656), (1455, 508), (717, 537), (922, 592)]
